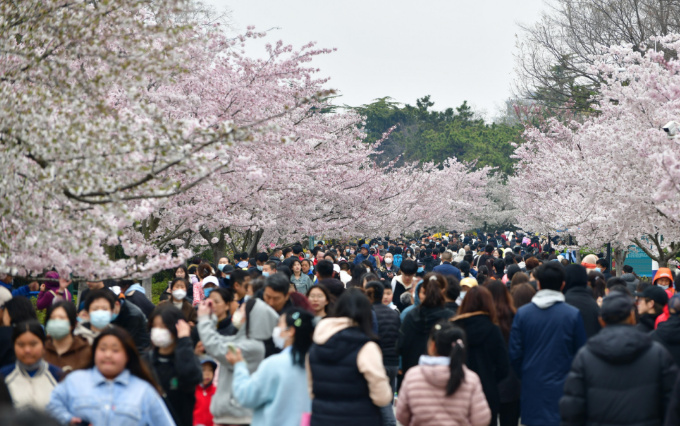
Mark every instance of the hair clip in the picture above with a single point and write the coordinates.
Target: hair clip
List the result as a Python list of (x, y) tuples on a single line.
[(437, 326), (433, 278), (295, 315), (298, 322), (458, 342)]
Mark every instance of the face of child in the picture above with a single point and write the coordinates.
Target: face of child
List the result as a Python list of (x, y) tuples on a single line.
[(208, 374), (387, 297)]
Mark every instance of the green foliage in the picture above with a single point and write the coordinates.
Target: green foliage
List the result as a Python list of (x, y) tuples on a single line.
[(565, 88), (425, 135)]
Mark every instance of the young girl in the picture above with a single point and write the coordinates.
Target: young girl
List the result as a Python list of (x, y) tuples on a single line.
[(118, 390), (440, 390), (277, 391), (62, 348)]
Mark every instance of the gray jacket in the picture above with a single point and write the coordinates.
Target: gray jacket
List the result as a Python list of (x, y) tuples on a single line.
[(631, 282), (302, 284), (262, 320)]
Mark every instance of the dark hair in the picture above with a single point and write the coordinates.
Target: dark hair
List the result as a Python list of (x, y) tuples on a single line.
[(478, 299), (250, 304), (68, 307), (283, 269), (531, 263), (603, 263), (262, 257), (324, 268), (522, 294), (176, 280), (408, 267), (611, 282), (499, 267), (20, 309), (434, 285), (238, 276), (445, 337), (452, 288), (550, 276), (204, 270), (278, 282), (102, 293), (354, 305), (303, 321), (368, 277), (271, 264), (505, 306), (30, 326), (627, 269), (184, 268), (134, 363), (375, 291), (597, 283), (519, 278), (464, 267), (226, 294), (169, 314), (329, 297)]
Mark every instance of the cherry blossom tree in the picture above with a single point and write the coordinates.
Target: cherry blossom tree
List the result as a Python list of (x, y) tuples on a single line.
[(611, 177)]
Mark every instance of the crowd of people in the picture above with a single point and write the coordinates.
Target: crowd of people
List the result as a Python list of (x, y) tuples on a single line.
[(444, 329)]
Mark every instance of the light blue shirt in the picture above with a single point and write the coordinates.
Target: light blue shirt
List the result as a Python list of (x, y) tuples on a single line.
[(126, 400), (277, 391)]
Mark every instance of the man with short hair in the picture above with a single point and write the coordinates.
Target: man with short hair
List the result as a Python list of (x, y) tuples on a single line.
[(364, 255), (242, 259), (604, 268), (621, 376), (324, 273), (268, 269), (650, 304), (239, 281), (404, 283), (545, 336), (277, 293), (446, 268)]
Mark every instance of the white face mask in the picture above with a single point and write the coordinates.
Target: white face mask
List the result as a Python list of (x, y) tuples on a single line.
[(237, 319), (368, 270), (462, 294), (279, 342), (179, 294), (388, 260), (161, 337)]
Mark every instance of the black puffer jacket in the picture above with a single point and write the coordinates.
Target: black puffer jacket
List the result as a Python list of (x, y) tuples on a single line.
[(582, 299), (388, 331), (487, 354), (414, 332), (620, 377), (668, 333), (646, 323)]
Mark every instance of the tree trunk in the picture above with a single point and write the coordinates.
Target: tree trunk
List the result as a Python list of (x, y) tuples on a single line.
[(620, 257), (146, 283)]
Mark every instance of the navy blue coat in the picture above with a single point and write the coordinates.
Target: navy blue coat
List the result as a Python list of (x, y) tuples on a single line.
[(447, 269), (543, 343), (360, 258)]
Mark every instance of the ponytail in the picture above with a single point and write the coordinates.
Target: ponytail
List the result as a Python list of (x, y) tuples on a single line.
[(450, 339)]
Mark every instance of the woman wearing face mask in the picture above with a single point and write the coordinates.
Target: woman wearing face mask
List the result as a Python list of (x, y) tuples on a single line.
[(254, 321), (178, 299), (180, 272), (62, 348), (30, 379), (173, 363), (388, 270), (301, 280), (277, 392), (118, 390)]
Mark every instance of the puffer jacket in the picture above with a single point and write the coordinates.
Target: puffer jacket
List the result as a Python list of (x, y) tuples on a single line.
[(423, 401), (668, 334), (631, 282), (582, 299), (414, 332), (388, 330), (620, 377)]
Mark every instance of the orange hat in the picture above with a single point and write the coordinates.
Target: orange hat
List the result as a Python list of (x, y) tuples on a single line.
[(663, 273)]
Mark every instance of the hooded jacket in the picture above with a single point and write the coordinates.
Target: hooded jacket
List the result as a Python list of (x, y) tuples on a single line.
[(545, 336), (262, 319), (487, 354), (582, 299), (423, 401), (668, 334), (631, 282), (77, 357), (414, 332), (621, 377), (346, 377)]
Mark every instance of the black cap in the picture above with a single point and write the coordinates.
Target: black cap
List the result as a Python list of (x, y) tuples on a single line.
[(228, 269), (655, 293), (616, 307)]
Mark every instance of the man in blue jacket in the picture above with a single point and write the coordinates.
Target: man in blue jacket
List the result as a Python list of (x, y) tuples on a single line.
[(364, 255), (446, 268), (545, 336)]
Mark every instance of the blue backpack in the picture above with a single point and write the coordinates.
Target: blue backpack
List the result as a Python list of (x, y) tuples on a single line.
[(397, 260)]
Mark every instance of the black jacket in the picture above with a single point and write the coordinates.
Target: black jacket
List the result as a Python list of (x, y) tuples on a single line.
[(487, 354), (414, 332), (142, 302), (620, 377), (388, 331), (6, 346), (133, 320), (668, 333), (646, 323), (178, 375), (582, 299), (334, 285)]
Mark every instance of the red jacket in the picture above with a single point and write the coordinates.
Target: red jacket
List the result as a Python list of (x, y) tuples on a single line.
[(202, 415)]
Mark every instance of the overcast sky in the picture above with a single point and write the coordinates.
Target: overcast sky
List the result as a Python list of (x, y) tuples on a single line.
[(453, 50)]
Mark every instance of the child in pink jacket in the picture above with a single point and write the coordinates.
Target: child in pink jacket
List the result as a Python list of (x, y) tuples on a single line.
[(440, 390)]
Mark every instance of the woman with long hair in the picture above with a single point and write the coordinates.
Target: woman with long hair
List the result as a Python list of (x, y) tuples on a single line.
[(441, 390), (277, 392), (348, 380), (180, 272), (301, 280), (509, 388), (119, 389), (320, 299), (487, 350)]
